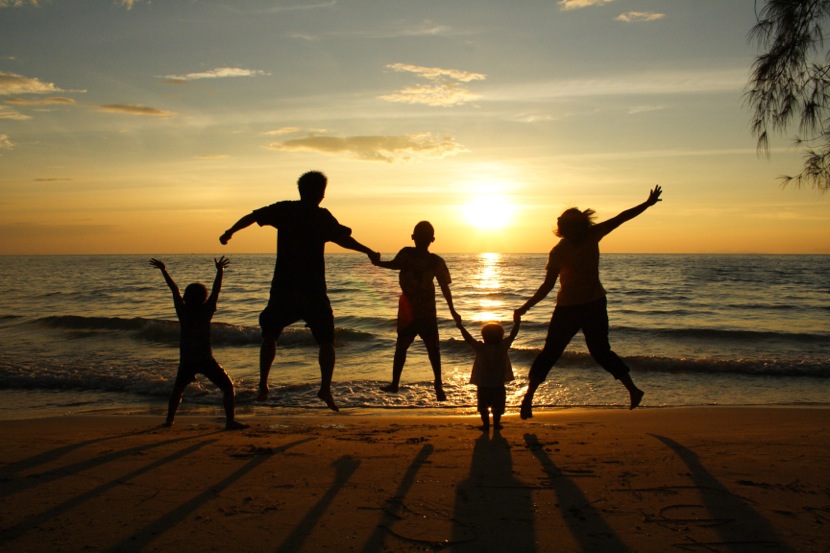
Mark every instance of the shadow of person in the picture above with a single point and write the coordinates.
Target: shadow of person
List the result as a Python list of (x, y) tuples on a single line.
[(493, 510), (587, 526), (344, 468), (741, 528)]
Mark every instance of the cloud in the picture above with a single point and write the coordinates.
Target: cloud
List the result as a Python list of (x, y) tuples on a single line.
[(444, 90), (53, 179), (136, 110), (646, 83), (55, 100), (5, 142), (377, 148), (9, 113), (18, 3), (11, 83), (218, 73), (212, 156), (637, 17), (577, 4), (644, 109)]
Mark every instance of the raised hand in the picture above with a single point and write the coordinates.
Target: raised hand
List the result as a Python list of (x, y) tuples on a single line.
[(157, 264), (654, 195), (222, 262)]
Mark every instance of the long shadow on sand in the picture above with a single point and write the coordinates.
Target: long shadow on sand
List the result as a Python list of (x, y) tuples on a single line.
[(344, 467), (14, 532), (395, 504), (586, 524), (140, 540), (741, 528), (493, 510), (16, 484)]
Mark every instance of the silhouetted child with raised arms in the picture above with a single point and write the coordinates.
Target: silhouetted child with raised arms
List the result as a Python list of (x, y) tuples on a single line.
[(417, 315), (195, 310), (491, 368)]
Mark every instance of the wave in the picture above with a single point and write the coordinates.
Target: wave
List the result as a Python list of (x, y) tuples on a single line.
[(167, 331)]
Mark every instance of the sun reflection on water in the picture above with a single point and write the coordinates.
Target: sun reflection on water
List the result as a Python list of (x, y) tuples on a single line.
[(488, 280)]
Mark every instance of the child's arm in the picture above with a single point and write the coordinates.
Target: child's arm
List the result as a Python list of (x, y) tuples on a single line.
[(517, 322), (177, 297), (467, 336), (445, 289), (221, 263)]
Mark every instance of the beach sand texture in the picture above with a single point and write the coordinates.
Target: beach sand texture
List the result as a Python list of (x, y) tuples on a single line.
[(674, 479)]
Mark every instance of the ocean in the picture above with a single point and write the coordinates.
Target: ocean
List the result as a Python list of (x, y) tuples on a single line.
[(98, 334)]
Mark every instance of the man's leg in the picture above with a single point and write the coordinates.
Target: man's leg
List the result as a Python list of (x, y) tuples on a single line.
[(327, 358), (267, 353)]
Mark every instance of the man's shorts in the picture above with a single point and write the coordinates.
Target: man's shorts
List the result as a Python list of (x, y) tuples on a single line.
[(426, 328), (209, 367), (286, 307)]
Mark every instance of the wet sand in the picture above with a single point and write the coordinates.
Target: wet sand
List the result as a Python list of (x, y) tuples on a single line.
[(685, 479)]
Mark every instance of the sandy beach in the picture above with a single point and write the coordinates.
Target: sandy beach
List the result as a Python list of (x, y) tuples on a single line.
[(683, 479)]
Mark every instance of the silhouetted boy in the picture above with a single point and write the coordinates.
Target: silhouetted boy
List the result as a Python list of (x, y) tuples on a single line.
[(417, 314), (491, 368), (195, 310)]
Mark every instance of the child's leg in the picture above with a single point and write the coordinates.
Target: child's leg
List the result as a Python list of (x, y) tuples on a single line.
[(220, 378), (485, 420), (175, 401), (434, 353), (405, 339)]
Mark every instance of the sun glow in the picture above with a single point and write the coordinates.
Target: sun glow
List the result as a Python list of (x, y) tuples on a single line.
[(489, 212)]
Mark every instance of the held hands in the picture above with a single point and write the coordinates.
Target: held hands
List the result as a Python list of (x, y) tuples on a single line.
[(221, 263), (157, 264), (654, 195), (517, 318), (374, 257)]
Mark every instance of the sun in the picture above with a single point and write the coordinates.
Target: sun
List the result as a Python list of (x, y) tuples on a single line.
[(489, 212)]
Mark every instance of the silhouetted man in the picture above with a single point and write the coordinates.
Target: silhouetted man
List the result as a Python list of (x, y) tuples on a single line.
[(298, 289)]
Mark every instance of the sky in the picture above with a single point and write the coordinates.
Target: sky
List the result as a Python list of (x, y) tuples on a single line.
[(150, 127)]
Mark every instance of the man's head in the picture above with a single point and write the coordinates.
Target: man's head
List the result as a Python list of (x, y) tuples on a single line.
[(573, 223), (424, 234), (492, 333), (312, 186)]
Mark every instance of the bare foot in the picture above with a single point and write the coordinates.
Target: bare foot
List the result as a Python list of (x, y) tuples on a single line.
[(636, 397), (327, 397), (391, 388), (527, 410), (167, 424), (235, 425), (439, 393), (263, 392)]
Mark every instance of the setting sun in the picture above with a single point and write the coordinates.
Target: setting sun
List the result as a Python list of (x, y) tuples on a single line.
[(490, 212)]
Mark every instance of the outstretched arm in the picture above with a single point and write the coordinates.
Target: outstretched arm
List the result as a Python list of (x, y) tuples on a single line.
[(351, 244), (221, 263), (467, 336), (445, 289), (541, 293), (517, 322), (628, 214), (158, 264), (244, 222)]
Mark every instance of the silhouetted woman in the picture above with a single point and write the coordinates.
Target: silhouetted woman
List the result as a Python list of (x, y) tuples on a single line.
[(580, 303)]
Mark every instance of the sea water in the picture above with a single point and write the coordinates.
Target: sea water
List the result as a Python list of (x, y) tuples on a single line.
[(98, 333)]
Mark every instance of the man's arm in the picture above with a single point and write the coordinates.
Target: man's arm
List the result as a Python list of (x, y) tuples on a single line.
[(628, 214), (544, 290), (351, 244), (221, 263), (244, 222)]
